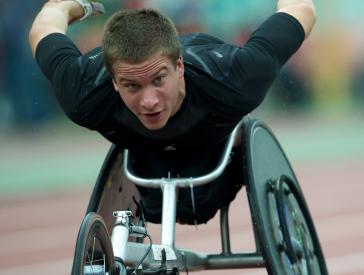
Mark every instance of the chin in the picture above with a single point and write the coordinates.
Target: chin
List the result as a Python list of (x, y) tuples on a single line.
[(154, 126)]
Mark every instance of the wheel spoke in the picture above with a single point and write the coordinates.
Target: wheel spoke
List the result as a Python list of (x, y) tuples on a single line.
[(93, 249), (89, 261), (93, 242), (103, 258)]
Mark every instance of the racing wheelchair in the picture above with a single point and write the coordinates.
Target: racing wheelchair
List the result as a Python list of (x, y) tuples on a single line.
[(285, 237)]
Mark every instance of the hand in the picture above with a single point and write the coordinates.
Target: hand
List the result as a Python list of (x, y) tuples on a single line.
[(77, 10), (90, 8)]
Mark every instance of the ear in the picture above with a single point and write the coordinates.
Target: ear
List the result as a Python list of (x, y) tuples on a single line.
[(180, 66), (115, 85)]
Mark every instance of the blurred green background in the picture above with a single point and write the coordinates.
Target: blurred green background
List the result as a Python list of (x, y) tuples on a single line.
[(315, 106)]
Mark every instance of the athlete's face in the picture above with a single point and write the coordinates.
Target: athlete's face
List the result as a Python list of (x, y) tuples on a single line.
[(153, 90)]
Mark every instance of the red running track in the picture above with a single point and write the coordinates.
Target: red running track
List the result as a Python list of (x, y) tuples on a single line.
[(38, 233)]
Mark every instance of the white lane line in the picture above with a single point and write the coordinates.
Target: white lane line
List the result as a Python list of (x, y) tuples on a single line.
[(37, 240), (59, 267)]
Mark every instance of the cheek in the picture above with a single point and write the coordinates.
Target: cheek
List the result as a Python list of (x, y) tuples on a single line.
[(174, 82), (129, 100), (170, 92)]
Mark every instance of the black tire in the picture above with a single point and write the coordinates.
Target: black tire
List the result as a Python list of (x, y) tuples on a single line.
[(276, 202), (93, 253)]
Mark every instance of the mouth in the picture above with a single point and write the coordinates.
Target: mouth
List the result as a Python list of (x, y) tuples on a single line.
[(152, 117), (152, 114)]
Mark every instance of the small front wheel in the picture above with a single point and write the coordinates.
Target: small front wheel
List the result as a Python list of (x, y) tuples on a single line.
[(93, 254)]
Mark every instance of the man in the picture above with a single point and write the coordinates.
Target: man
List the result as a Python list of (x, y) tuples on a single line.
[(176, 98)]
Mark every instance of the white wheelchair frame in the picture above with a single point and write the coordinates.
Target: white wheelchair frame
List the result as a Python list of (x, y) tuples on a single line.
[(278, 248)]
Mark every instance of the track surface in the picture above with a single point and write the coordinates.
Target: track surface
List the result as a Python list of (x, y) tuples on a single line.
[(38, 232)]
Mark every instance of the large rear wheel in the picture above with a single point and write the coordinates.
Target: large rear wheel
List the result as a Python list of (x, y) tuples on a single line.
[(285, 232)]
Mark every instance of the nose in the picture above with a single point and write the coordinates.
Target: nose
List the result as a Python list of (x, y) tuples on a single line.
[(149, 100)]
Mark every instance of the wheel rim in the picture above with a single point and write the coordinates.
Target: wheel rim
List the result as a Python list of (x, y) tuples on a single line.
[(93, 254), (95, 257), (291, 230)]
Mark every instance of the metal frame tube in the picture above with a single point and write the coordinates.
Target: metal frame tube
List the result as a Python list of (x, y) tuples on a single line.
[(120, 233), (169, 214), (186, 182), (119, 239), (195, 260), (224, 230), (242, 260)]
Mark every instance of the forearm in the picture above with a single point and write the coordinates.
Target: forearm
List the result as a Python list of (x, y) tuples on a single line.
[(303, 10), (53, 18)]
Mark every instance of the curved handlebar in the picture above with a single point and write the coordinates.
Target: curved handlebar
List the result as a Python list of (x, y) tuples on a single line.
[(184, 182)]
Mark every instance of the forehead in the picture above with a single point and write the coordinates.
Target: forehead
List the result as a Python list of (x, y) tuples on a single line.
[(149, 67)]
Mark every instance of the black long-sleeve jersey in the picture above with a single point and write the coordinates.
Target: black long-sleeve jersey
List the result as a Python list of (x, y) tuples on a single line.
[(224, 82)]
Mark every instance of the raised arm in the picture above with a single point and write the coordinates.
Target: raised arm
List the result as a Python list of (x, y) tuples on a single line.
[(54, 17), (302, 10)]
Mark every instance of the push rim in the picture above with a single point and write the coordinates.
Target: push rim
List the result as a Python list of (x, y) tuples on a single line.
[(294, 231)]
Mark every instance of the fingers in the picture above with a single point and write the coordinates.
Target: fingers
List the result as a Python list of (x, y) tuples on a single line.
[(90, 8), (97, 8)]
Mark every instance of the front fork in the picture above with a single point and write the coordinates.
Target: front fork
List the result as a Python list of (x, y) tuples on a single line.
[(123, 228), (120, 233)]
